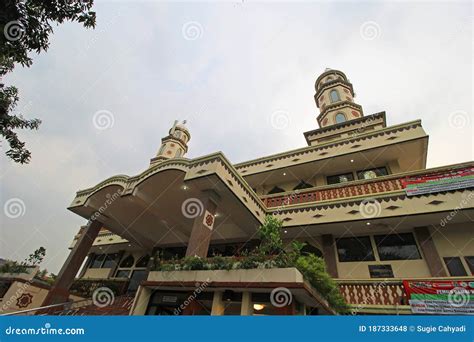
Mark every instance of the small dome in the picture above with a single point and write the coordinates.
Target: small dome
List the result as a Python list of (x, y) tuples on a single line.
[(333, 73)]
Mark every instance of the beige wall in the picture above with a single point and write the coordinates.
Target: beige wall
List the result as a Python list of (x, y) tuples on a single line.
[(456, 240), (97, 273)]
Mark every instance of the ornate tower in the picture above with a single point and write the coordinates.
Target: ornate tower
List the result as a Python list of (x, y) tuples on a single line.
[(175, 144), (335, 99)]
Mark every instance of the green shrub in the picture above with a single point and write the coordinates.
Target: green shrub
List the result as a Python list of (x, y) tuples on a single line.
[(193, 263), (220, 263), (270, 236), (314, 270)]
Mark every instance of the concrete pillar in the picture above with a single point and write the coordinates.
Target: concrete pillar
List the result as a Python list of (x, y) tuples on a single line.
[(329, 253), (140, 303), (218, 306), (430, 252), (247, 306), (203, 225), (59, 293)]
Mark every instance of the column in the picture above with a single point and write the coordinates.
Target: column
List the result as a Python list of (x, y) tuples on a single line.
[(203, 225), (218, 306), (247, 305), (430, 252), (59, 293), (329, 253)]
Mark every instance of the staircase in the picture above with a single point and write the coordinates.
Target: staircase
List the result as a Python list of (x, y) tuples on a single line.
[(119, 307)]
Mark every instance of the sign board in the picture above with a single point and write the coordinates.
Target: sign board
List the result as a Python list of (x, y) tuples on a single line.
[(452, 180), (441, 297)]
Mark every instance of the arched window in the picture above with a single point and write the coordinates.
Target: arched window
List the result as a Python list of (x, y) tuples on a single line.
[(334, 96), (340, 117), (127, 262), (302, 185), (179, 153), (275, 190)]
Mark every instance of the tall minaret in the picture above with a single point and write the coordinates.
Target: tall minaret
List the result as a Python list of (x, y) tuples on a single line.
[(175, 144), (335, 99)]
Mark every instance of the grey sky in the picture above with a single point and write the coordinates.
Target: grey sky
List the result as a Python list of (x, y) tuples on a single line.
[(240, 63)]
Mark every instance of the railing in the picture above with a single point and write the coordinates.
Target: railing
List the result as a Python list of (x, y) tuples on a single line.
[(374, 293), (389, 292), (86, 287), (375, 186), (338, 192)]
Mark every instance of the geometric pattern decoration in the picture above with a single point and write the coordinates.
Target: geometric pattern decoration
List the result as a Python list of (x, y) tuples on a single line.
[(436, 202), (208, 220), (24, 300)]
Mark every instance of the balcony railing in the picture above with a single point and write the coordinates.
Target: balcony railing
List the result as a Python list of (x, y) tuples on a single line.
[(389, 292), (374, 186), (374, 293)]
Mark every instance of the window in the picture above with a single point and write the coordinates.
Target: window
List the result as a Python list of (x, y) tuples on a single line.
[(455, 266), (127, 262), (470, 262), (334, 96), (179, 153), (97, 261), (346, 177), (380, 271), (340, 117), (302, 185), (372, 173), (397, 247), (275, 190), (355, 249), (110, 260), (122, 274)]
